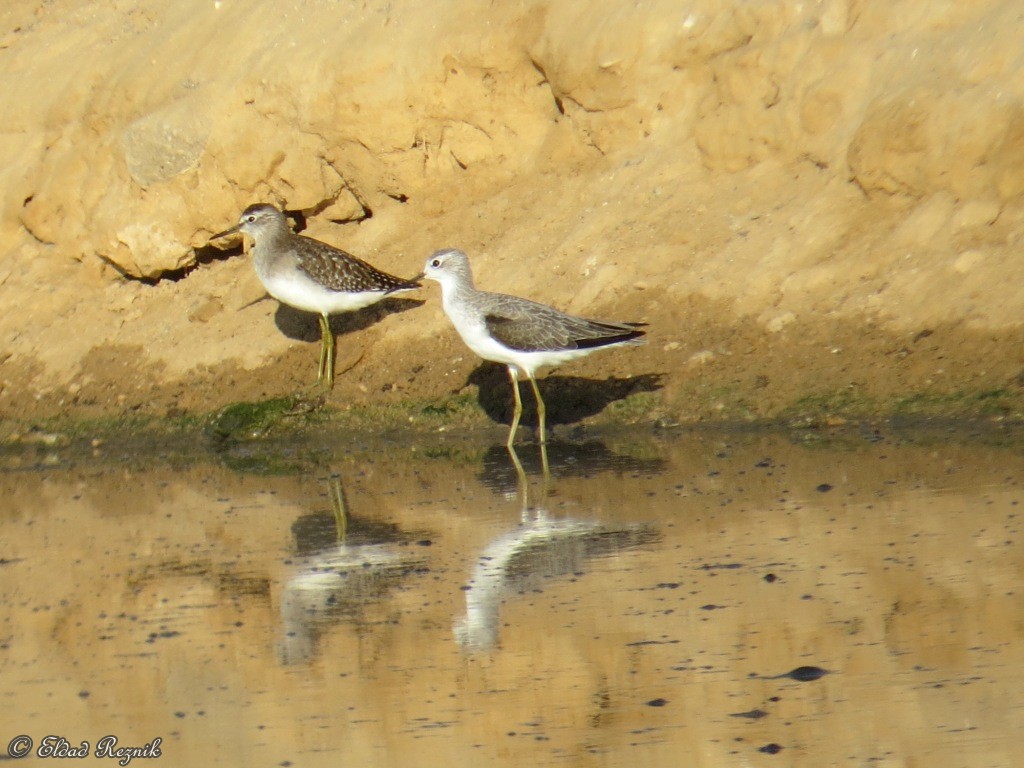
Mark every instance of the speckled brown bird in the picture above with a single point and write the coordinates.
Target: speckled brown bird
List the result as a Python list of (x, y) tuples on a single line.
[(310, 275)]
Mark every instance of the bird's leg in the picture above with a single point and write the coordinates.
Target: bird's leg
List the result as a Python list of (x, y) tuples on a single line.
[(514, 376), (329, 372), (339, 506), (325, 374), (311, 397), (541, 412), (546, 470), (524, 484), (323, 350)]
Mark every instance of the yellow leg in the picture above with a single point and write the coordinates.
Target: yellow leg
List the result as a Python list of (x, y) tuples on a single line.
[(541, 412), (514, 376), (329, 373), (323, 350), (325, 373)]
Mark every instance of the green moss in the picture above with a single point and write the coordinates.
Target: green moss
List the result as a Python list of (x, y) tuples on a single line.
[(845, 401), (248, 420), (457, 405), (812, 409), (636, 407), (993, 402)]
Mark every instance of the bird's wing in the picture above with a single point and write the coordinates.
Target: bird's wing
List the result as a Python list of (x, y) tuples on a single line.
[(338, 270), (525, 325)]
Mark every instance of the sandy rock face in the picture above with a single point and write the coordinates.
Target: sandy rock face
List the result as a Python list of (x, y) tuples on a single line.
[(763, 183)]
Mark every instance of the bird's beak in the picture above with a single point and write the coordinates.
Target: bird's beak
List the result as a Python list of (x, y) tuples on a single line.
[(417, 278), (226, 232)]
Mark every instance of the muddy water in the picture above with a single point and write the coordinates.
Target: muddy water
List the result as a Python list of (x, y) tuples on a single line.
[(702, 599)]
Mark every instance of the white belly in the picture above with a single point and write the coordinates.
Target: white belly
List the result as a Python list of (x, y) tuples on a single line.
[(297, 290), (474, 334)]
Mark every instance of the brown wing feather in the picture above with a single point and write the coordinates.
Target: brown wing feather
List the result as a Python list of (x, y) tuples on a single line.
[(338, 270)]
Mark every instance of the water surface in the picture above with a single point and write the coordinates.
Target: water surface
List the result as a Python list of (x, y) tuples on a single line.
[(646, 604)]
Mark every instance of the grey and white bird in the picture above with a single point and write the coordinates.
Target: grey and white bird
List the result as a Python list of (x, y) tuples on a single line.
[(519, 333), (313, 276)]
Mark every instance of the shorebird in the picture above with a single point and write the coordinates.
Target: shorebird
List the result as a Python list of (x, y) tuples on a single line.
[(518, 333), (313, 276)]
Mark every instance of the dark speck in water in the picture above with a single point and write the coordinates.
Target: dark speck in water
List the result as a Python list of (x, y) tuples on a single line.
[(720, 566), (770, 749), (823, 488), (153, 636), (801, 674), (638, 643), (657, 702), (753, 714), (771, 578)]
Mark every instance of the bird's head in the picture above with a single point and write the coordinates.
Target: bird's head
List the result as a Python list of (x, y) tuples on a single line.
[(449, 267), (257, 220)]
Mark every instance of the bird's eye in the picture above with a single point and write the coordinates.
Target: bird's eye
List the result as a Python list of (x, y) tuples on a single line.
[(250, 218), (435, 263)]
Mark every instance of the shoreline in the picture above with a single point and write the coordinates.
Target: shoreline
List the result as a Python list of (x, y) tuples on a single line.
[(457, 420)]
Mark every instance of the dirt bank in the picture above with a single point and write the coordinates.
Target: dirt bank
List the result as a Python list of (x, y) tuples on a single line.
[(815, 206)]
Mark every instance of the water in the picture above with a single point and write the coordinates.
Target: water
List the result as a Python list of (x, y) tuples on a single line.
[(416, 605)]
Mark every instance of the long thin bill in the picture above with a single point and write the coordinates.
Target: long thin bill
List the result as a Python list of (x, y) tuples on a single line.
[(225, 233)]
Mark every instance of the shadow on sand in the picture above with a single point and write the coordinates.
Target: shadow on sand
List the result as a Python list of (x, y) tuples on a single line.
[(569, 399), (303, 326)]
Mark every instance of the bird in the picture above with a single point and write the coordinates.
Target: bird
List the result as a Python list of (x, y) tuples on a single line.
[(521, 334), (313, 276)]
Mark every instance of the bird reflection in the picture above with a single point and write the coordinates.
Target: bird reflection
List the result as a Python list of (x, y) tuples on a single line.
[(539, 548), (343, 564), (569, 460)]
